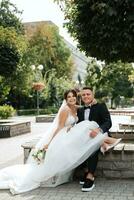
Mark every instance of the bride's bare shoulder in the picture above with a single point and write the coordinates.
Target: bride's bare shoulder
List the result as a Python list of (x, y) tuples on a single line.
[(65, 109), (63, 113)]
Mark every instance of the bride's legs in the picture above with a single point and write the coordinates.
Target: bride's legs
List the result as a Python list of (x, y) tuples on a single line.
[(109, 143), (110, 140), (104, 147)]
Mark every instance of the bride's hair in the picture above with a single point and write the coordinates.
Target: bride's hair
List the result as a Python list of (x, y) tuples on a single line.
[(70, 91)]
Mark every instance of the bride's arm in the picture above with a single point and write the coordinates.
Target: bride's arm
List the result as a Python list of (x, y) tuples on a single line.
[(61, 124)]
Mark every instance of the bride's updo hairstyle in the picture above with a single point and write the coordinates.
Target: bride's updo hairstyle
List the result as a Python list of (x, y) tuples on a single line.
[(70, 91)]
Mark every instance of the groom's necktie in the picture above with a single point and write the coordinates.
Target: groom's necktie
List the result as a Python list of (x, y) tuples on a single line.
[(87, 107)]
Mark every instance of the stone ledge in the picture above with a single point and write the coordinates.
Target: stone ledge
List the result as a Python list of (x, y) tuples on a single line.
[(45, 118), (127, 126), (118, 163), (122, 112), (12, 128), (125, 134), (132, 117)]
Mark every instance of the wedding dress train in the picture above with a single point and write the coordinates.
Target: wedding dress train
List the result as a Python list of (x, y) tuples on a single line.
[(66, 151)]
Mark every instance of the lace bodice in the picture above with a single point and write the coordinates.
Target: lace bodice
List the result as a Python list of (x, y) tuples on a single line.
[(71, 120)]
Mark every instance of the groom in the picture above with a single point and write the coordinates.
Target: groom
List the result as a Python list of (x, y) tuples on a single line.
[(100, 114)]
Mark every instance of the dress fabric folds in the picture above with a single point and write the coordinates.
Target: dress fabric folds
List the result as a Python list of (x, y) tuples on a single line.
[(67, 150)]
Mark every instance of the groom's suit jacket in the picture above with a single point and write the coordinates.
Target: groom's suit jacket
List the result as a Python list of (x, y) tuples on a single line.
[(98, 113)]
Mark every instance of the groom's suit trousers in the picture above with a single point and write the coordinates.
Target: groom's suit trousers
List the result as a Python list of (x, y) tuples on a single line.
[(100, 114)]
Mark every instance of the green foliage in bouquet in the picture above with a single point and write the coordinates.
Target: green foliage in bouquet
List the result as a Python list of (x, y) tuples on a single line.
[(39, 155)]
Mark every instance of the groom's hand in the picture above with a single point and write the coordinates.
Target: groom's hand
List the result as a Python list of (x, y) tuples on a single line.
[(94, 132), (94, 102)]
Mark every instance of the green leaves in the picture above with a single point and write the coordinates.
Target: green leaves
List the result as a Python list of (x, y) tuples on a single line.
[(12, 47), (111, 80), (47, 47), (8, 16), (6, 111), (103, 29)]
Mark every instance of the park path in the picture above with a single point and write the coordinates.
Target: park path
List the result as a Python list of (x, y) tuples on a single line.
[(11, 151)]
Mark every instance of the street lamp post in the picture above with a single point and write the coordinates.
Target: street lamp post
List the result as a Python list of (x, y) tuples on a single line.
[(37, 85), (38, 107), (79, 85), (131, 79)]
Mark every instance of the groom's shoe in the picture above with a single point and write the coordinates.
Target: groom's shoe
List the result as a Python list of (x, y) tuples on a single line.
[(82, 180), (88, 185)]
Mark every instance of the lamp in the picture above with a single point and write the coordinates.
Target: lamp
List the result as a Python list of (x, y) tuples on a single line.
[(37, 85)]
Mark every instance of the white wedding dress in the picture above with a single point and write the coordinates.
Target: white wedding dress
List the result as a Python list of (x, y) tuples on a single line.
[(66, 151)]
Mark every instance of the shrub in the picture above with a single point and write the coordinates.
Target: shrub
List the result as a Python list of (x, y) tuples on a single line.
[(48, 110), (6, 111)]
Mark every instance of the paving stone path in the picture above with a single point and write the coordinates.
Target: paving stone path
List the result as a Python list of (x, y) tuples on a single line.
[(104, 190)]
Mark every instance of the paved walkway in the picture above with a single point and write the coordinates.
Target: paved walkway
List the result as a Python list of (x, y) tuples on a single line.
[(11, 153), (10, 148), (104, 190)]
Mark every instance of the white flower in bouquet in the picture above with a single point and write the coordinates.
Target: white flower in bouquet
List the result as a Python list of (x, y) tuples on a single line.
[(39, 155)]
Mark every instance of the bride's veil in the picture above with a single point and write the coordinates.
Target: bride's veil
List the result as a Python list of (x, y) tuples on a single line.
[(51, 129), (48, 134)]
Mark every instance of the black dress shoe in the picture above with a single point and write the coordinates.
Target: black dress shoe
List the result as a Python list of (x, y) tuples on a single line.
[(82, 179), (88, 185)]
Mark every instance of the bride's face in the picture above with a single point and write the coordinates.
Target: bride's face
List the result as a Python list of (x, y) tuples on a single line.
[(71, 99)]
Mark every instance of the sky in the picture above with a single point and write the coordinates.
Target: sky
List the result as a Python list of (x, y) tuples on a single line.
[(42, 10)]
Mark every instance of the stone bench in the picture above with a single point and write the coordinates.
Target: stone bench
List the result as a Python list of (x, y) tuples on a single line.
[(132, 118), (117, 163), (125, 134), (127, 126), (12, 128), (45, 118), (122, 112)]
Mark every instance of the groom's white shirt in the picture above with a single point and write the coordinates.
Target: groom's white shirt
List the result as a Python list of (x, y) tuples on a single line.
[(86, 114)]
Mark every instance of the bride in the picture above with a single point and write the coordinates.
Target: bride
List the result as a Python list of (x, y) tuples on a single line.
[(67, 145)]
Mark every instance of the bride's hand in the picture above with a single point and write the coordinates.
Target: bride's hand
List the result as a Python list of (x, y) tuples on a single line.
[(46, 146)]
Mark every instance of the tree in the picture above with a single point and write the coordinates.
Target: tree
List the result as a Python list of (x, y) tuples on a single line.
[(46, 47), (55, 89), (4, 90), (103, 29), (12, 47), (112, 81), (15, 74), (8, 16), (93, 74)]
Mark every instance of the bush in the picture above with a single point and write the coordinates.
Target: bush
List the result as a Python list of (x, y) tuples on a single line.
[(26, 112), (48, 110), (6, 111)]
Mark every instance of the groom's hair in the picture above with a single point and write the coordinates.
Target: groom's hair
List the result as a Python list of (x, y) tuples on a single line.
[(87, 88), (70, 91)]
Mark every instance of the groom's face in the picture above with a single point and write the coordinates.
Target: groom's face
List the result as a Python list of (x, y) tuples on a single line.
[(87, 96)]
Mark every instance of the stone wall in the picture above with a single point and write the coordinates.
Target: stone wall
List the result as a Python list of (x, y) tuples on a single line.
[(45, 118), (9, 129), (118, 163)]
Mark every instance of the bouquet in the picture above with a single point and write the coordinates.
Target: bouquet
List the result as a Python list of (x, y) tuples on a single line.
[(39, 155)]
